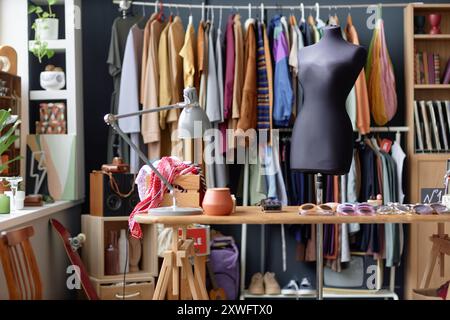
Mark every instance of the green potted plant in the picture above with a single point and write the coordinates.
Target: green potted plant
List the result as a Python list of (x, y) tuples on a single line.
[(45, 27), (8, 126)]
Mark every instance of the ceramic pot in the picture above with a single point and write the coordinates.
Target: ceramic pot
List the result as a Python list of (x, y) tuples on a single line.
[(52, 80), (217, 202), (47, 29), (435, 21)]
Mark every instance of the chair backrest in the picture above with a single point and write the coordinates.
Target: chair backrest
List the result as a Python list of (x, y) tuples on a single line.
[(19, 264)]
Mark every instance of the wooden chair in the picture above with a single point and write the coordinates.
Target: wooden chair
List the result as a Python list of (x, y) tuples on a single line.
[(19, 265)]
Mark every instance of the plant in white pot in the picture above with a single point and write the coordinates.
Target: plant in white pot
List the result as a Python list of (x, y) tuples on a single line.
[(53, 78), (46, 27)]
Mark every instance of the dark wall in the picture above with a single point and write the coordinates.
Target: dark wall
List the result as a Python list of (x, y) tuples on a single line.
[(98, 16)]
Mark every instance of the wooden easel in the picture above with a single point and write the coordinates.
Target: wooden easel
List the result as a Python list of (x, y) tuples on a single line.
[(176, 258), (440, 248)]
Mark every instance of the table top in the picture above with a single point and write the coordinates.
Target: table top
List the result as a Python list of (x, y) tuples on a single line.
[(289, 215)]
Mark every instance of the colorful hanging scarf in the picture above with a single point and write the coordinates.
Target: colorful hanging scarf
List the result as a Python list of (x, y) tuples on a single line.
[(380, 78), (170, 168)]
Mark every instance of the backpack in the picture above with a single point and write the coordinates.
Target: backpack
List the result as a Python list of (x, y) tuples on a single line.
[(224, 259)]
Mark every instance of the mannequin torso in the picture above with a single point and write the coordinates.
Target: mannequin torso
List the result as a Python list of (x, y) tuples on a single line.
[(322, 140)]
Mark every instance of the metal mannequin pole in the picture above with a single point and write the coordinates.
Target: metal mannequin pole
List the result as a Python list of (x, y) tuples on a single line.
[(319, 244)]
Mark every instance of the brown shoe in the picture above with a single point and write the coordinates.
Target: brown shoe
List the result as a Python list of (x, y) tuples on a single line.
[(271, 284), (256, 285)]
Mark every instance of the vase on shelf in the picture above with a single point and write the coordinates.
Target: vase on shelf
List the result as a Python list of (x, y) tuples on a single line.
[(4, 203), (47, 28), (435, 20), (419, 24), (218, 202), (112, 255)]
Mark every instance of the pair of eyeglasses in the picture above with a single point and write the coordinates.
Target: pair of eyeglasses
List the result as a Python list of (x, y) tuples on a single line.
[(433, 208), (360, 209), (311, 209), (394, 208)]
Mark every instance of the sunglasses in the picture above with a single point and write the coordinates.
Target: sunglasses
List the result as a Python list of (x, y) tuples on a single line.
[(360, 209), (311, 209), (434, 208), (395, 208)]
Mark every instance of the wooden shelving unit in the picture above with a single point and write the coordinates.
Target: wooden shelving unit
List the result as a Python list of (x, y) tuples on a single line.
[(69, 50), (426, 170), (96, 230)]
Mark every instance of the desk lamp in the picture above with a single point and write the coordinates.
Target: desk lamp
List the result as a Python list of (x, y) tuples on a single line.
[(192, 116)]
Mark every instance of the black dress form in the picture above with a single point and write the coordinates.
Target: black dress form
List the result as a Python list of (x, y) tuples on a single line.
[(322, 140)]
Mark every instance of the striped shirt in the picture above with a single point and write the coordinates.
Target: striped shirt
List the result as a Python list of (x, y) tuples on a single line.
[(262, 84)]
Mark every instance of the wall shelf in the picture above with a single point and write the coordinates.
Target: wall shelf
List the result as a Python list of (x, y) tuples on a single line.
[(58, 46), (432, 37), (48, 95), (432, 86)]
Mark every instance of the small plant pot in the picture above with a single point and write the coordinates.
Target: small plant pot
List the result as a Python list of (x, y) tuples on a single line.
[(217, 202), (47, 29), (52, 80)]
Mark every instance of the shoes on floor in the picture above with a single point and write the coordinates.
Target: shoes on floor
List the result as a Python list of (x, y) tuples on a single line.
[(264, 284), (271, 284), (291, 289), (306, 287), (256, 284)]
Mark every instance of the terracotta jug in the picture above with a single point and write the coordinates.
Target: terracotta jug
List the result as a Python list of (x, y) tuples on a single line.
[(217, 202)]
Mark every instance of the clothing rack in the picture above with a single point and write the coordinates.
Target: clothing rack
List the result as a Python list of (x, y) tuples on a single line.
[(262, 6)]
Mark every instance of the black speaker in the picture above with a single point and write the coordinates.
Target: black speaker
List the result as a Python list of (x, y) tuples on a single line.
[(112, 197)]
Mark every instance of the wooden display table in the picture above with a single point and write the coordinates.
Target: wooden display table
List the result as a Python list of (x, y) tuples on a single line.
[(181, 250)]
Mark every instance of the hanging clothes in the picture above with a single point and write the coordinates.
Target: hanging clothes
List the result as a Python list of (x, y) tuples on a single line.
[(165, 89), (248, 112), (221, 174), (238, 82), (202, 54), (262, 83), (189, 54), (380, 78), (307, 32), (151, 132), (129, 87), (362, 98), (283, 95), (399, 157), (230, 61), (314, 30), (119, 34), (175, 43)]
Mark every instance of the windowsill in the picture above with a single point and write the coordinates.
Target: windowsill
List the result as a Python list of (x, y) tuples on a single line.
[(33, 213)]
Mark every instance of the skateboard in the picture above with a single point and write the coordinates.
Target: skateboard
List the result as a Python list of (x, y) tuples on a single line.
[(71, 245)]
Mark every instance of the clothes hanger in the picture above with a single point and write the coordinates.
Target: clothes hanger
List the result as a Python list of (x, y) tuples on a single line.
[(302, 11), (398, 137), (190, 22), (262, 12), (220, 19), (320, 23), (159, 8), (124, 8), (203, 11)]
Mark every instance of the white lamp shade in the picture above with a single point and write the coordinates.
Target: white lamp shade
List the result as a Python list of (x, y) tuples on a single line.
[(193, 122)]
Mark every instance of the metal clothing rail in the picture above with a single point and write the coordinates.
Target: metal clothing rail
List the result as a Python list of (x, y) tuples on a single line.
[(262, 6)]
